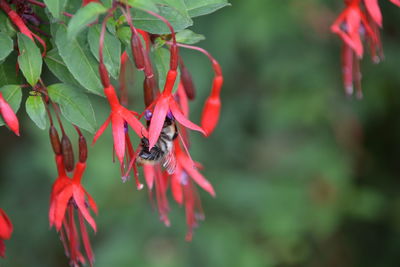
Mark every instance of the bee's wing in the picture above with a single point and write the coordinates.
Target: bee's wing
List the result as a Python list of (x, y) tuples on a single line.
[(169, 162)]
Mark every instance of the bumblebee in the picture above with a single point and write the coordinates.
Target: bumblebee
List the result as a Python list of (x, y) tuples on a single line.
[(162, 151)]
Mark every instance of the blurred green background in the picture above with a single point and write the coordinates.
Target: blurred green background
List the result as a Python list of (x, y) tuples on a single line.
[(304, 176)]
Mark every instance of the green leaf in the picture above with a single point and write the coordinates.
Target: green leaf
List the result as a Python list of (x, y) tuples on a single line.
[(36, 110), (57, 66), (13, 95), (107, 3), (173, 10), (6, 25), (189, 37), (29, 59), (83, 17), (111, 49), (6, 45), (141, 4), (56, 7), (75, 105), (161, 58), (8, 75), (79, 60), (197, 8)]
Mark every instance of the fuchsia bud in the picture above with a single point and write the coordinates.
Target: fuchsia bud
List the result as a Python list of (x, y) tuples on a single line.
[(68, 153), (55, 140), (187, 81), (137, 51), (8, 115), (212, 107), (83, 152)]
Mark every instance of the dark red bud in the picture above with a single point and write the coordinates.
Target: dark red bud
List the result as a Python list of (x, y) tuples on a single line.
[(68, 153), (174, 57), (105, 80), (83, 152), (187, 82), (148, 87), (137, 51), (55, 140)]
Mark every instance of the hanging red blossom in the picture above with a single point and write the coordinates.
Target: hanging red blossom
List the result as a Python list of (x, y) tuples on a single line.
[(360, 20), (6, 229), (8, 115)]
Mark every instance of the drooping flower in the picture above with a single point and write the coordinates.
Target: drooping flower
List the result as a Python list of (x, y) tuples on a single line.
[(67, 198), (19, 22), (6, 229), (164, 103), (8, 115), (373, 9), (119, 115), (359, 21)]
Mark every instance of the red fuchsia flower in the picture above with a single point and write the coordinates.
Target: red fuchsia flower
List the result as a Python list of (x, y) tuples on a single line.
[(212, 106), (373, 9), (18, 21), (164, 103), (349, 25), (184, 190), (352, 25), (8, 115), (120, 116), (67, 197), (6, 229)]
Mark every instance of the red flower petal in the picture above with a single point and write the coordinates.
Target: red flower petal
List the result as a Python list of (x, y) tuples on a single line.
[(101, 130), (187, 164), (6, 227), (118, 130), (396, 2), (79, 197), (157, 120), (353, 23), (374, 10), (149, 175), (178, 115), (176, 186), (91, 201), (61, 205), (85, 239), (133, 122), (183, 100), (9, 116)]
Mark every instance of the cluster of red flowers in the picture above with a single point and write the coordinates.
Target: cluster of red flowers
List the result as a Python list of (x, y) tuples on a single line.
[(167, 164), (359, 21)]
